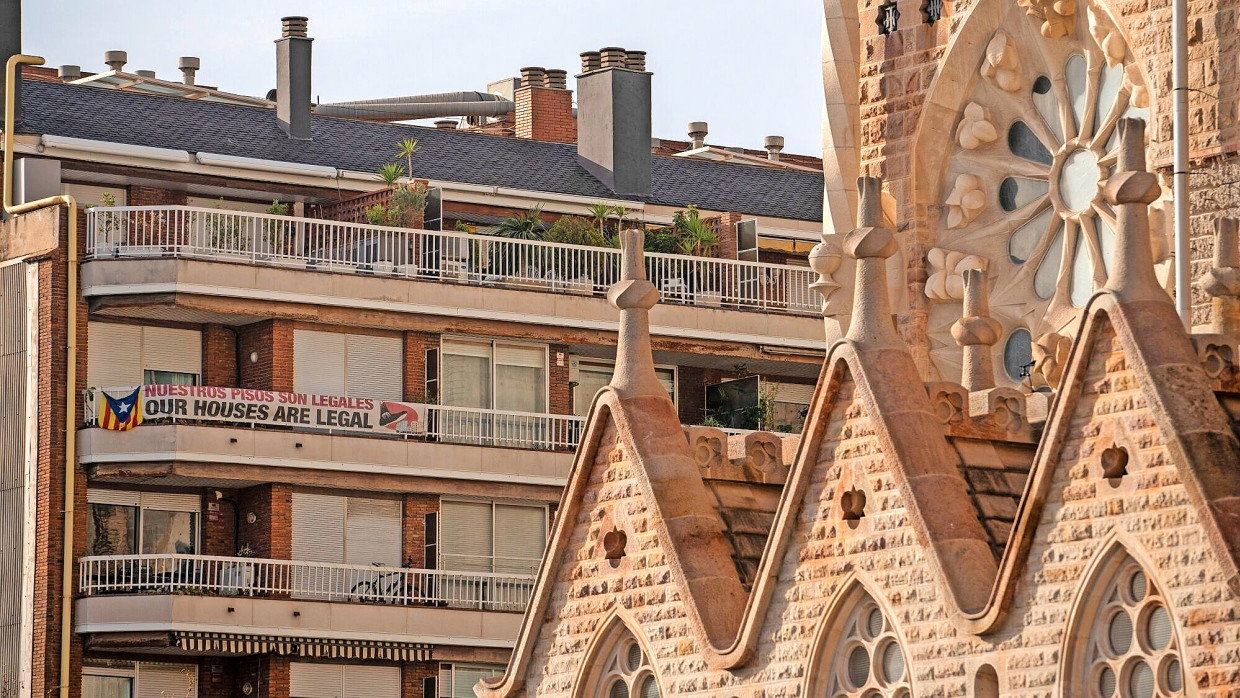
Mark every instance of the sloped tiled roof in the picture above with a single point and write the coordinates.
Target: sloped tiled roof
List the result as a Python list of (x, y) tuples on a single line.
[(470, 158), (995, 472)]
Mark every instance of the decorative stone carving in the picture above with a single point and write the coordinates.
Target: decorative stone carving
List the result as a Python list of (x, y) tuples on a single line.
[(1002, 62), (949, 401), (946, 282), (976, 332), (975, 128), (614, 542), (1139, 95), (1050, 357), (966, 200), (825, 260), (1114, 461), (1222, 283), (1112, 43), (852, 504), (1057, 15)]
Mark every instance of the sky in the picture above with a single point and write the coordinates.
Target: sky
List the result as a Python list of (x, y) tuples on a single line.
[(749, 69)]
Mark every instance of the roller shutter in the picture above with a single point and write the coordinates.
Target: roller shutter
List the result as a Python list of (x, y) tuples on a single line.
[(375, 368), (170, 349), (318, 527), (315, 680), (114, 355), (372, 532), (163, 680), (794, 393), (318, 362), (371, 682), (520, 537), (465, 532)]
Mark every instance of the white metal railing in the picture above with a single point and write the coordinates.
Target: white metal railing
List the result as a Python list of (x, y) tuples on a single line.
[(256, 238), (467, 425), (319, 581)]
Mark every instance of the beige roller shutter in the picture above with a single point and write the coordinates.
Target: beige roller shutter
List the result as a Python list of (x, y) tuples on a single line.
[(375, 367), (372, 532), (170, 349), (114, 355), (520, 355), (318, 362), (520, 538), (115, 497), (315, 680), (465, 535), (318, 527), (371, 681), (167, 501), (166, 680), (794, 393)]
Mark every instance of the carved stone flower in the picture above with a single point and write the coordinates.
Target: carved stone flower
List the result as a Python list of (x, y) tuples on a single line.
[(966, 200), (974, 129)]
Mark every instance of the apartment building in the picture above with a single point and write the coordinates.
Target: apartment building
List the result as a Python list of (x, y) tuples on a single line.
[(308, 455)]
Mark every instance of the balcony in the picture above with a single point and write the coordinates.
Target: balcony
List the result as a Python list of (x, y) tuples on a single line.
[(197, 595), (444, 257)]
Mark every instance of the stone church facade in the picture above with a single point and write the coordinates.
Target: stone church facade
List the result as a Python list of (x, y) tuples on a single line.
[(1028, 484)]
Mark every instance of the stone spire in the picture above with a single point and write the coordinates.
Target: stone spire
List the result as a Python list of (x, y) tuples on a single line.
[(634, 296), (976, 332), (1222, 282), (871, 244), (1131, 190)]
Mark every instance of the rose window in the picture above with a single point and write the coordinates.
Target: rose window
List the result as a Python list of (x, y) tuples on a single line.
[(1034, 144), (868, 660)]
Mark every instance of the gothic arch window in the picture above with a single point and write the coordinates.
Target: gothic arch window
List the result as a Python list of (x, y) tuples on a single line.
[(860, 654), (1124, 644), (1034, 141), (620, 667)]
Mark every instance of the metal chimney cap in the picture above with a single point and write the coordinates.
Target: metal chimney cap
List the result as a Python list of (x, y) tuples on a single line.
[(446, 124), (69, 72), (697, 128), (189, 63), (294, 27), (775, 143), (145, 73), (116, 60)]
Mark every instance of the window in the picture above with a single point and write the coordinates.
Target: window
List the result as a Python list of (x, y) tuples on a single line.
[(140, 680), (150, 523), (789, 405), (92, 195), (349, 530), (591, 375), (128, 355), (227, 204), (494, 375), (308, 680), (1129, 648), (458, 680), (623, 670), (485, 536), (861, 655), (354, 365)]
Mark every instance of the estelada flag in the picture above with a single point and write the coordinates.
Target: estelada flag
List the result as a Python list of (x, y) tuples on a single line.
[(121, 413)]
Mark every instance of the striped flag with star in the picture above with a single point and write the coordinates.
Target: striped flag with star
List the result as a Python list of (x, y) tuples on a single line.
[(121, 413)]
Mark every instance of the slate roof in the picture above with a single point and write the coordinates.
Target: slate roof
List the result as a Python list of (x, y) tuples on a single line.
[(136, 119), (995, 472)]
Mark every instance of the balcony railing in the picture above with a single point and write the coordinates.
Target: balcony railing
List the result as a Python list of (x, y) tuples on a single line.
[(450, 257), (164, 404), (315, 581)]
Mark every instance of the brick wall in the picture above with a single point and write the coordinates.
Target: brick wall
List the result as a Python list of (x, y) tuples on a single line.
[(560, 395), (416, 344), (727, 235), (219, 527), (690, 398), (271, 534), (150, 196), (219, 356), (416, 507), (545, 114), (272, 341), (412, 674)]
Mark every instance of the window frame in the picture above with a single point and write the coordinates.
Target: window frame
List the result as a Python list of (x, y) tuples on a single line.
[(141, 508), (580, 360), (441, 554), (444, 340), (445, 690)]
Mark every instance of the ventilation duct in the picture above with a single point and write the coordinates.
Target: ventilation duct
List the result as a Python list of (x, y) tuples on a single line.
[(11, 45), (429, 106)]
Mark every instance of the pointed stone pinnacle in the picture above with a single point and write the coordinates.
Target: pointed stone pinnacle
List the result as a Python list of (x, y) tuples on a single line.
[(634, 296), (871, 244), (976, 332), (1131, 190), (1222, 282)]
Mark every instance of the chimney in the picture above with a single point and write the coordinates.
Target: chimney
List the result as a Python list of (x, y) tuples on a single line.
[(145, 73), (10, 45), (697, 133), (116, 60), (613, 122), (591, 60), (544, 106), (188, 65), (293, 78), (774, 146), (446, 124), (69, 72)]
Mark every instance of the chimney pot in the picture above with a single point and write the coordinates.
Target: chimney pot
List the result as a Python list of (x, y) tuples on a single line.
[(533, 76), (69, 72), (613, 57), (188, 65), (446, 124), (557, 79), (774, 145), (145, 73), (697, 133), (590, 61), (635, 60), (294, 27), (115, 60)]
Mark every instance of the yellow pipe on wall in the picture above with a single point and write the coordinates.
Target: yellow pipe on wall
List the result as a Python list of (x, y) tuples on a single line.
[(66, 611)]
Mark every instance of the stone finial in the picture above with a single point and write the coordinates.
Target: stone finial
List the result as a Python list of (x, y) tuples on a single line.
[(871, 244), (634, 296), (1222, 282), (976, 332), (825, 260), (1131, 190)]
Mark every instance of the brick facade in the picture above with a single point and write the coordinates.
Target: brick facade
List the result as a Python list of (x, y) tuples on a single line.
[(219, 355), (416, 507), (416, 346), (545, 114), (271, 534), (151, 196), (267, 355)]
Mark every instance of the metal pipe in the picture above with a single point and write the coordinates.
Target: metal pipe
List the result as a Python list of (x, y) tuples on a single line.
[(66, 580), (435, 97), (414, 110), (1179, 177)]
